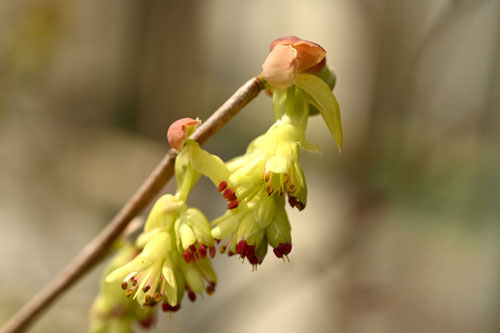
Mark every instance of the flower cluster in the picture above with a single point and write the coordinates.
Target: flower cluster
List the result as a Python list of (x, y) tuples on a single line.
[(269, 171), (173, 255)]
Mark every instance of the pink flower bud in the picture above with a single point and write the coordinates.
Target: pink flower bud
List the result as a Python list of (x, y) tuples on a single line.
[(178, 131), (288, 56)]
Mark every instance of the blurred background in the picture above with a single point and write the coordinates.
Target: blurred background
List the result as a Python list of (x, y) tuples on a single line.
[(401, 232)]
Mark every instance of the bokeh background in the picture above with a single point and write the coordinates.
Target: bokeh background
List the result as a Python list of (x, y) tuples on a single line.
[(401, 232)]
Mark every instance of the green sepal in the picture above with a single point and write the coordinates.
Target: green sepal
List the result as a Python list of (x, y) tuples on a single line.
[(329, 77), (324, 99)]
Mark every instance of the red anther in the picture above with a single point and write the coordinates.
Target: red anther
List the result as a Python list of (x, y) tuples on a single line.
[(300, 205), (253, 259), (240, 247), (212, 251), (192, 247), (218, 241), (148, 322), (227, 193), (192, 296), (292, 201), (187, 256), (232, 197), (250, 251), (277, 253), (222, 186), (124, 285), (233, 204), (285, 248), (210, 289), (166, 307), (146, 288), (203, 251), (230, 254)]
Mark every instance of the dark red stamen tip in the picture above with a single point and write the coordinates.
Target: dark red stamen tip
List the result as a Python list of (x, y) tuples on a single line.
[(292, 201), (233, 204), (203, 251), (192, 296), (300, 205), (148, 322), (192, 247), (230, 254), (167, 307), (222, 186), (285, 248), (124, 285), (146, 289), (240, 247), (250, 251), (227, 193), (212, 251), (277, 253), (253, 259), (232, 197), (187, 256)]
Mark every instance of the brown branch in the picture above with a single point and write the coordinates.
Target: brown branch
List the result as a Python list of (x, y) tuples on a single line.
[(99, 246)]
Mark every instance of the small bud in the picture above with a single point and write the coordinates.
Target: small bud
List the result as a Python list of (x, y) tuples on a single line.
[(178, 131)]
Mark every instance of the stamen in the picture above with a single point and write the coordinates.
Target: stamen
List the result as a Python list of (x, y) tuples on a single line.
[(192, 296), (266, 175), (187, 256), (241, 247), (269, 189), (158, 297), (202, 250), (222, 186), (124, 285), (290, 189), (281, 191), (285, 178), (277, 253), (228, 192), (146, 288), (292, 201), (192, 247), (129, 292), (212, 251), (147, 299), (222, 249), (233, 204)]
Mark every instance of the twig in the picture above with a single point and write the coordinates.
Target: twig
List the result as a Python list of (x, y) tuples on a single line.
[(98, 247)]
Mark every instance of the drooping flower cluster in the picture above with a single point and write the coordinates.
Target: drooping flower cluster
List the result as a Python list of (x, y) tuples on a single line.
[(270, 169), (113, 313), (173, 254)]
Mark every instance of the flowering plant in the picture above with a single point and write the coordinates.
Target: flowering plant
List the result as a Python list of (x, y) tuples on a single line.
[(172, 256)]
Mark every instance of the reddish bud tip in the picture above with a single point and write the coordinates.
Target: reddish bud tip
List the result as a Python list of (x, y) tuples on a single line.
[(178, 131)]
